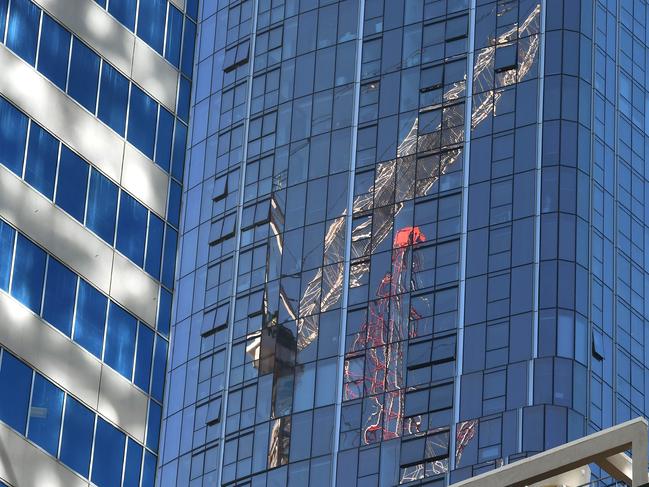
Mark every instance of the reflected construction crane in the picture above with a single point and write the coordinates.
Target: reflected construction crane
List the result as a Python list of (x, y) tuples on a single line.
[(325, 289), (379, 344)]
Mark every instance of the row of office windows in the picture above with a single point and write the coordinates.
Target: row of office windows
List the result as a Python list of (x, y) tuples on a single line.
[(160, 25), (96, 85), (82, 313), (69, 431), (75, 186)]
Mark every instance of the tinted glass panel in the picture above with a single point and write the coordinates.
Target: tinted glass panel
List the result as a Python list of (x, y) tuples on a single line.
[(174, 35), (169, 257), (45, 414), (72, 184), (148, 471), (29, 271), (6, 253), (144, 355), (131, 228), (180, 139), (76, 441), (120, 340), (124, 11), (109, 455), (142, 121), (60, 291), (151, 22), (15, 386), (159, 361), (4, 4), (54, 51), (164, 312), (153, 426), (13, 132), (42, 155), (113, 99), (84, 75), (102, 206), (165, 138), (133, 463), (173, 206), (22, 34), (189, 38), (90, 318), (154, 246)]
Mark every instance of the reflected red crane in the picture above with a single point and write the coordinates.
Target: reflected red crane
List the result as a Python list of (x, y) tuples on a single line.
[(381, 337)]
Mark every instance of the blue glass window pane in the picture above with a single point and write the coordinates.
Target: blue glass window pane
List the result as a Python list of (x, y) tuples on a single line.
[(173, 205), (192, 8), (174, 35), (101, 3), (15, 386), (4, 4), (102, 206), (120, 340), (159, 363), (54, 51), (113, 99), (42, 155), (6, 253), (13, 133), (144, 355), (164, 312), (72, 183), (76, 440), (180, 139), (29, 272), (141, 121), (154, 246), (109, 455), (148, 472), (84, 75), (22, 34), (90, 319), (165, 137), (183, 99), (169, 259), (189, 38), (131, 228), (133, 463), (153, 426), (124, 11), (60, 291), (151, 23), (45, 415)]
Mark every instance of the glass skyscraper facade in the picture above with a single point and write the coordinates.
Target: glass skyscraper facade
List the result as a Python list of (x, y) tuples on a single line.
[(94, 107), (413, 239)]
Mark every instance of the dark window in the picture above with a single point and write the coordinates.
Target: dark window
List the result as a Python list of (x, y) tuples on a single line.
[(22, 32), (84, 75), (72, 184), (15, 386), (76, 440), (90, 318), (108, 455), (124, 11), (506, 58), (13, 132), (120, 340), (45, 414), (113, 99), (29, 272), (131, 228), (54, 52), (142, 121), (40, 166), (151, 23), (60, 292), (102, 206)]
